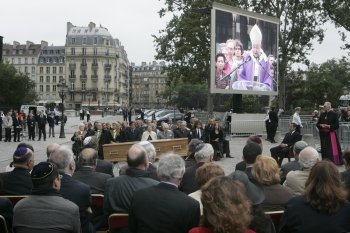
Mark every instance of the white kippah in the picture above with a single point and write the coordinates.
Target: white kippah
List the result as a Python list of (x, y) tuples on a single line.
[(255, 35), (87, 140)]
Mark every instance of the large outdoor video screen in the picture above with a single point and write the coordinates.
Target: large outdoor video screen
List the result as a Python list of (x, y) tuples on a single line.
[(244, 52)]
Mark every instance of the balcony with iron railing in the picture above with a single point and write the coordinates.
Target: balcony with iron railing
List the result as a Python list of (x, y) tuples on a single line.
[(72, 77), (72, 66), (108, 66), (83, 77), (94, 78), (94, 66), (83, 66)]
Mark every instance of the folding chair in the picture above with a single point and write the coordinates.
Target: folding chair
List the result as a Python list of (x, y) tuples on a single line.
[(275, 217), (117, 221)]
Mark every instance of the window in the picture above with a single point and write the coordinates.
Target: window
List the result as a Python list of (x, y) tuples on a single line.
[(72, 51), (83, 86), (54, 79), (84, 40), (26, 69), (95, 51), (19, 60), (13, 60), (33, 60), (41, 88), (47, 88), (54, 70), (72, 96), (54, 88), (95, 40), (33, 69), (61, 79), (41, 79), (61, 70), (84, 51), (47, 79), (47, 70), (51, 51), (72, 86), (41, 69), (73, 40), (25, 60)]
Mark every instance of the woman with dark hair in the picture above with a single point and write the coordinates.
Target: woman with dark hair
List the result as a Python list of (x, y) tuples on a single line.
[(225, 207), (323, 208), (216, 139)]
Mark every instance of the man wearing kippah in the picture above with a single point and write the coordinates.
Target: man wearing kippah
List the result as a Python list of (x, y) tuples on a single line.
[(46, 210), (18, 181)]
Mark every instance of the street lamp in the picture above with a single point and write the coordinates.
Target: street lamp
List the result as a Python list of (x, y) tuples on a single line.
[(89, 95), (62, 89), (174, 96)]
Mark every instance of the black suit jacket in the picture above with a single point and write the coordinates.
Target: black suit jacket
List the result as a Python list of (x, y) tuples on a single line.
[(78, 193), (104, 167), (131, 135), (17, 182), (181, 133), (96, 180), (163, 209), (188, 183), (194, 134), (291, 138)]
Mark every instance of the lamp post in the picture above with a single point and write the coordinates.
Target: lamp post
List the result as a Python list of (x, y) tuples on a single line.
[(89, 95), (174, 96), (62, 89)]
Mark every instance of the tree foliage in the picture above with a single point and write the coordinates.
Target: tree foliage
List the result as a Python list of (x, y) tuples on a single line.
[(16, 88), (185, 42)]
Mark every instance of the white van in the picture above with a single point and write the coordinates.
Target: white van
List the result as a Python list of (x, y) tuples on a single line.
[(27, 108)]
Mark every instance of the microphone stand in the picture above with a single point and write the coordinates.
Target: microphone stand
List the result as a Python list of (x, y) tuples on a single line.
[(229, 74)]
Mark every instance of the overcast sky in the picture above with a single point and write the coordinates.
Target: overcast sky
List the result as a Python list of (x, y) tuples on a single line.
[(131, 21)]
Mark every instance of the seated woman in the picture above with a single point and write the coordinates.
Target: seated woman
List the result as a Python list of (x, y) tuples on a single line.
[(323, 208), (149, 134), (203, 174), (225, 207), (216, 139), (266, 172)]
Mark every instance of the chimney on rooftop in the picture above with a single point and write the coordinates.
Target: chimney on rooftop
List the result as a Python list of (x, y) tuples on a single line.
[(15, 44), (91, 26), (69, 26), (28, 43)]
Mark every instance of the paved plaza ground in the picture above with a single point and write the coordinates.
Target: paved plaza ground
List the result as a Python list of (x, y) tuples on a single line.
[(7, 148)]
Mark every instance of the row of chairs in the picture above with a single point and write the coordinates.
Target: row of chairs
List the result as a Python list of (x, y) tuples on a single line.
[(115, 221)]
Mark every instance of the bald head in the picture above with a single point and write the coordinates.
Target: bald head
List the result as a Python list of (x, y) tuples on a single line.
[(308, 157), (50, 148), (88, 157), (136, 157)]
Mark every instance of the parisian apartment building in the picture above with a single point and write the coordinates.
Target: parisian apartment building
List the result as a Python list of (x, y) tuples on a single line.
[(92, 64), (148, 84)]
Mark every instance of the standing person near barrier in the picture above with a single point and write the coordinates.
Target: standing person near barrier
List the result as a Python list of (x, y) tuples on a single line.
[(273, 124), (42, 125), (328, 124), (297, 120), (7, 122), (31, 126)]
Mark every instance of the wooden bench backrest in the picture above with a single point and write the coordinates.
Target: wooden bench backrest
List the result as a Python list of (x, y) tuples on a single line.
[(117, 221), (117, 152)]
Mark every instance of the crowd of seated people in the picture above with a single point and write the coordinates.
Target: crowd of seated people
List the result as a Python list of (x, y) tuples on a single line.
[(168, 197)]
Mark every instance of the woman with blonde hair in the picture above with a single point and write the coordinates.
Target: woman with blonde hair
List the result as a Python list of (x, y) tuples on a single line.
[(323, 208), (225, 207), (266, 172)]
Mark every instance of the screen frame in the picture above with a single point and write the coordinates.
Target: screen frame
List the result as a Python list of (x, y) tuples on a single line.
[(234, 10)]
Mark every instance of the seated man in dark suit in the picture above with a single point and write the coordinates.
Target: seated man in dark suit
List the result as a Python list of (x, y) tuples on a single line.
[(204, 154), (250, 152), (46, 210), (241, 166), (101, 165), (120, 190), (182, 131), (18, 181), (163, 208), (131, 133), (87, 174), (71, 189), (281, 151)]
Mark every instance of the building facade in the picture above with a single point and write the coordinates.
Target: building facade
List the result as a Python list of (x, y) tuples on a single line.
[(51, 71), (148, 84), (96, 68), (24, 57)]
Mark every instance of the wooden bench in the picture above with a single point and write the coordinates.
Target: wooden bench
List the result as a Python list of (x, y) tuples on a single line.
[(117, 152)]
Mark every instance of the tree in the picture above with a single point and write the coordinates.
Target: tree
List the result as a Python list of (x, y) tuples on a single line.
[(185, 42), (16, 88), (338, 12)]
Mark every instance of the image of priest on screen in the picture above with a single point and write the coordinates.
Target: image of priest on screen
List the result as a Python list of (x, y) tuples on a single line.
[(256, 72)]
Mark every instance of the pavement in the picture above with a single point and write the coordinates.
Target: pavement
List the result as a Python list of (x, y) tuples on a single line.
[(7, 148)]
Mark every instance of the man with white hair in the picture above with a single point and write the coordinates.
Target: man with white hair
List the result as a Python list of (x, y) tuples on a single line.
[(71, 189), (296, 180), (255, 74), (204, 154), (182, 131), (163, 208)]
